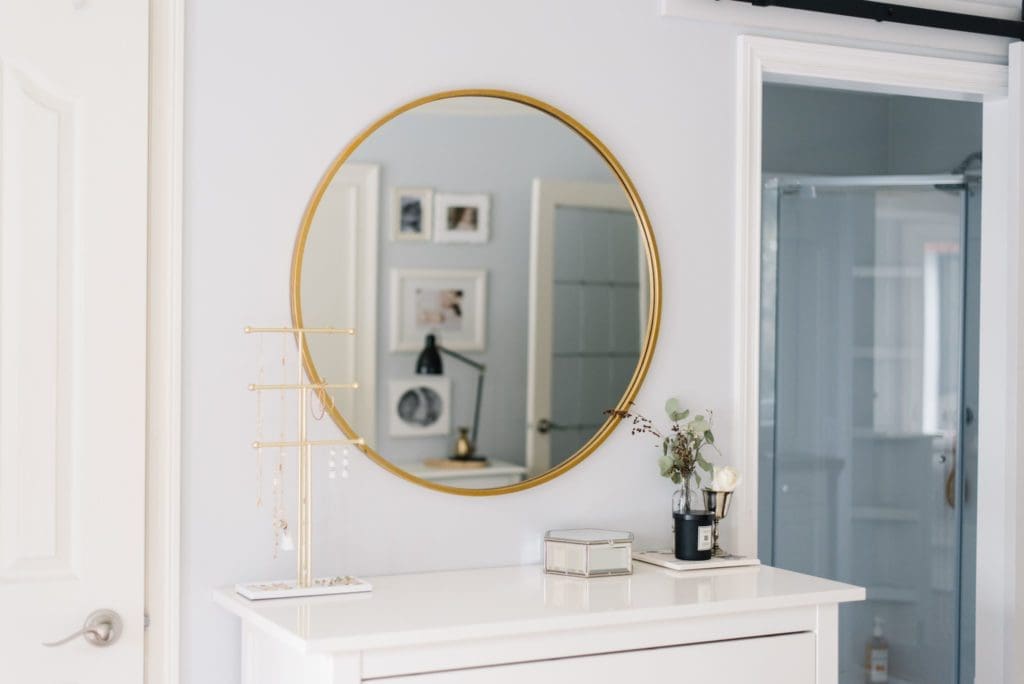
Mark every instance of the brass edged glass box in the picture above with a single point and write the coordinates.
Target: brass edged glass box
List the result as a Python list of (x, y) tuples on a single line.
[(588, 552)]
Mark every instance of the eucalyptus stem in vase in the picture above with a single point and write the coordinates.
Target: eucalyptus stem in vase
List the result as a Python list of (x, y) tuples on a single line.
[(681, 446)]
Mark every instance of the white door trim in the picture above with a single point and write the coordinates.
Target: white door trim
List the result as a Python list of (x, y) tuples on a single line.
[(163, 448), (763, 60), (1013, 490)]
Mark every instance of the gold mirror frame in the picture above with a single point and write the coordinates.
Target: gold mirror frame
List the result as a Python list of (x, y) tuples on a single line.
[(653, 275)]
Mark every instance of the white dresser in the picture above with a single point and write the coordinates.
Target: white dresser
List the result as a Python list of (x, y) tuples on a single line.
[(505, 625)]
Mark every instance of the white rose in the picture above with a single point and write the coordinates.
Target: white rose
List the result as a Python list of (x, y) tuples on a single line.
[(725, 480)]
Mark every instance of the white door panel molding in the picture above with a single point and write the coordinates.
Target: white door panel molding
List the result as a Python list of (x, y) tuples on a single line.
[(37, 263)]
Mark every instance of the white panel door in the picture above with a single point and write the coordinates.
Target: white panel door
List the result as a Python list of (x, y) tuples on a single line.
[(73, 169)]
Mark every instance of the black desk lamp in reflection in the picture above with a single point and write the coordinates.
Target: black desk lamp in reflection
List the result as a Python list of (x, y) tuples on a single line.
[(429, 363)]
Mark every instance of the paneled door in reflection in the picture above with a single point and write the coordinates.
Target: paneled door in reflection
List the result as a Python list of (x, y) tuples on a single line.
[(588, 313)]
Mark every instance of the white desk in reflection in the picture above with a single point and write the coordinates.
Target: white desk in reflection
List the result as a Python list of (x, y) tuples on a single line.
[(495, 474)]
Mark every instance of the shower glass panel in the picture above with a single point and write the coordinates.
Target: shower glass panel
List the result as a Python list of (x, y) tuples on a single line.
[(866, 284)]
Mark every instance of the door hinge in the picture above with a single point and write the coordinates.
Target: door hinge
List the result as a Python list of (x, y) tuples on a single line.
[(145, 621)]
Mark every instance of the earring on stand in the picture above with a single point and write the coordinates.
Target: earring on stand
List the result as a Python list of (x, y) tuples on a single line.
[(282, 540), (326, 401), (259, 428), (332, 463), (281, 530)]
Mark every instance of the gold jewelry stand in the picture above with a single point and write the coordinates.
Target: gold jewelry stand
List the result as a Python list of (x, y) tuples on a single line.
[(304, 584)]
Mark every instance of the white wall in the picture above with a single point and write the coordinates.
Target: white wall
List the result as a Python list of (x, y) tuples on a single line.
[(273, 92)]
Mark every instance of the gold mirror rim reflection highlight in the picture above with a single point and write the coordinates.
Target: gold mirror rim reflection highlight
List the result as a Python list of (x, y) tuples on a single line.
[(653, 276)]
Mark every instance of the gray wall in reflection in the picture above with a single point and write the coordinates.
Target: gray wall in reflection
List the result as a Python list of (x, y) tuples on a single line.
[(500, 156)]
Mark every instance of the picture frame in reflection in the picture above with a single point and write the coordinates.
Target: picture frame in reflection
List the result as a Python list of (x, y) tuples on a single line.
[(411, 214), (419, 407), (462, 218), (448, 303)]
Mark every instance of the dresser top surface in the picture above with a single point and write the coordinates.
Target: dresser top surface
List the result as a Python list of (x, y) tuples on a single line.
[(436, 607)]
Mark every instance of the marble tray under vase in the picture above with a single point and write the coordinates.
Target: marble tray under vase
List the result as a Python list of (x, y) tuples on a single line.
[(667, 559)]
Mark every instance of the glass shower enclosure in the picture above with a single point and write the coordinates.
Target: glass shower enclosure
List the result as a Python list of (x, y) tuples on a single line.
[(868, 427)]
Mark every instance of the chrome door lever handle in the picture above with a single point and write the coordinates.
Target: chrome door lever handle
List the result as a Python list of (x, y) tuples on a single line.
[(101, 628)]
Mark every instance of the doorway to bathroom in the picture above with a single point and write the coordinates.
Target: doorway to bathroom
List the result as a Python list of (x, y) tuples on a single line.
[(868, 387)]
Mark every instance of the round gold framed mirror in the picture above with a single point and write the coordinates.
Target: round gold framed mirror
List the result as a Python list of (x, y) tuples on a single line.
[(503, 280)]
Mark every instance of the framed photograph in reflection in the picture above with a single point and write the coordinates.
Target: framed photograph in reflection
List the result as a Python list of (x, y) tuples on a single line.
[(419, 406), (448, 303), (462, 218), (411, 214)]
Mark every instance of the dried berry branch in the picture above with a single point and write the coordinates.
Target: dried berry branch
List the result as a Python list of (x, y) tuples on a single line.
[(681, 444)]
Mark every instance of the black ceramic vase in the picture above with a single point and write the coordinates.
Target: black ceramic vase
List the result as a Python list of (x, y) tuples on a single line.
[(694, 538)]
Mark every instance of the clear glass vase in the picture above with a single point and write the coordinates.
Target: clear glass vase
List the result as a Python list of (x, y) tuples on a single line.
[(681, 497)]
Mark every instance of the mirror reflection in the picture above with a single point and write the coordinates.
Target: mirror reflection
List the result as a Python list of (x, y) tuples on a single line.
[(500, 284)]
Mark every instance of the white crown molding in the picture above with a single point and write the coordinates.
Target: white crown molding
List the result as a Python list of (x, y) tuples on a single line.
[(801, 63), (781, 22)]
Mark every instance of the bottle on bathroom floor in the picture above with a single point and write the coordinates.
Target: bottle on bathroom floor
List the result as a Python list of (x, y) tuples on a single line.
[(877, 656)]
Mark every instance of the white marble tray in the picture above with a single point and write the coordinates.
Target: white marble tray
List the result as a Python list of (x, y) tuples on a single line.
[(667, 559)]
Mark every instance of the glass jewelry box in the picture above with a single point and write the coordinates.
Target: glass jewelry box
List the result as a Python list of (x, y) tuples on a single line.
[(588, 552)]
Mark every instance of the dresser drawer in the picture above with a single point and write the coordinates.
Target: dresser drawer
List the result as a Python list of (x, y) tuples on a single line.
[(786, 659)]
